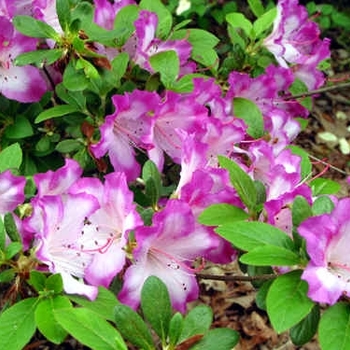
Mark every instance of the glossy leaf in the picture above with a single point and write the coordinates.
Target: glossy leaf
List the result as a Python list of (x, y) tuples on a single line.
[(221, 214), (218, 339), (11, 157), (31, 27), (39, 57), (334, 328), (287, 302), (45, 318), (268, 255), (242, 182), (252, 234), (133, 328), (18, 324), (55, 112), (251, 114), (90, 329)]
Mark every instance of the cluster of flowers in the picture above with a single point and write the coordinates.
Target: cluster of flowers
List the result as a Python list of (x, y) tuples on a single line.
[(89, 230)]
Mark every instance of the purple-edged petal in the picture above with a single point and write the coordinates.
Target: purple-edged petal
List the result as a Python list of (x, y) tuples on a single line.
[(11, 191), (58, 182)]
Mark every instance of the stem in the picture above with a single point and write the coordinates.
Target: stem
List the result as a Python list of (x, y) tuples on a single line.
[(265, 277), (318, 91)]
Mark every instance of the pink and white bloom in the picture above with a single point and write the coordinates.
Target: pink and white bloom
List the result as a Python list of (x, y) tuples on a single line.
[(23, 84), (57, 223), (110, 225), (131, 125), (327, 244), (11, 191), (295, 39), (148, 45), (167, 249)]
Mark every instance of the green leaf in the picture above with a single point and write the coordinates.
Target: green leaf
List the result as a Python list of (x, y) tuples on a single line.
[(203, 44), (74, 98), (11, 157), (18, 324), (67, 146), (218, 339), (165, 19), (63, 13), (55, 283), (306, 166), (124, 23), (268, 255), (197, 321), (11, 228), (303, 332), (324, 186), (55, 112), (12, 249), (251, 114), (20, 128), (322, 205), (221, 214), (167, 63), (301, 210), (45, 318), (103, 305), (74, 80), (242, 182), (250, 235), (334, 328), (29, 26), (7, 275), (156, 306), (39, 57), (37, 280), (298, 87), (175, 328), (238, 20), (287, 302), (133, 328), (265, 21), (257, 7), (90, 329), (262, 294), (153, 182)]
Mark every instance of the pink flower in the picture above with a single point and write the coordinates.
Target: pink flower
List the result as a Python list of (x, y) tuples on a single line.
[(11, 191), (295, 40), (327, 244), (24, 84), (148, 45), (57, 223), (167, 249), (110, 225), (131, 125), (175, 115)]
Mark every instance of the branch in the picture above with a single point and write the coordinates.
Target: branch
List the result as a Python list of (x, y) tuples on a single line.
[(318, 91), (236, 277)]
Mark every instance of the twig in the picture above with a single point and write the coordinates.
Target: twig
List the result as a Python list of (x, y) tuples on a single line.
[(318, 91), (265, 277), (329, 165)]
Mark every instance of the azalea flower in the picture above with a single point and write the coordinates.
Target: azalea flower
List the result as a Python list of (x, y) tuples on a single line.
[(58, 225), (131, 125), (295, 39), (144, 44), (327, 244), (109, 225), (167, 249), (24, 84)]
